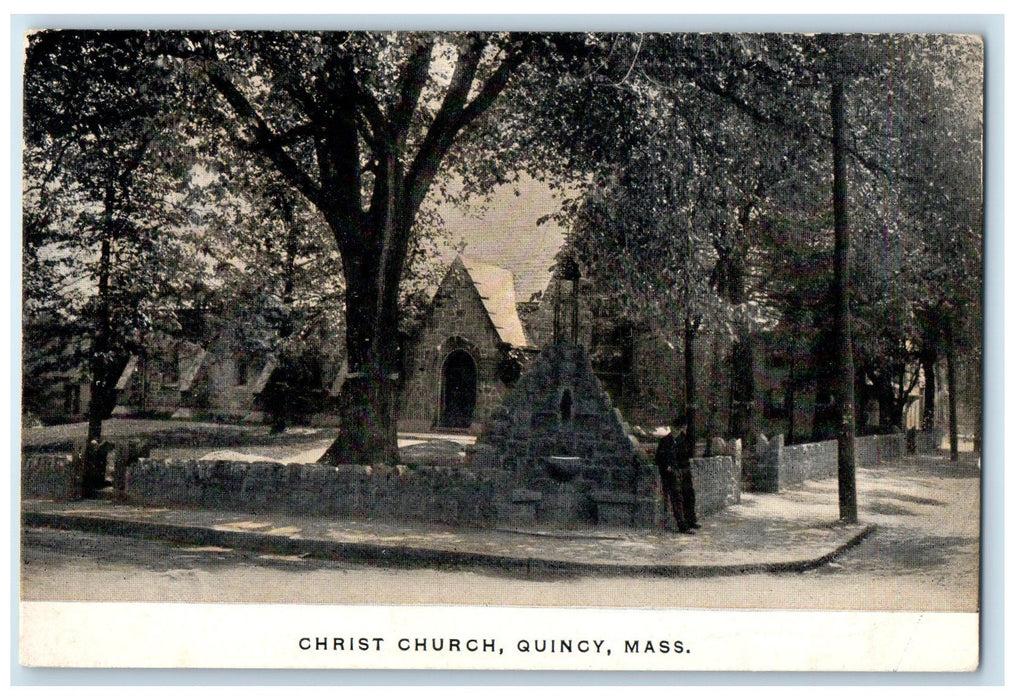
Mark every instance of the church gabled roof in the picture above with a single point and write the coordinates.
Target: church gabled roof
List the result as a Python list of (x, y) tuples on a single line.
[(190, 368), (496, 289), (262, 379), (128, 371)]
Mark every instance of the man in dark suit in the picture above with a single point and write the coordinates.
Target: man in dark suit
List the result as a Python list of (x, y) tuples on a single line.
[(684, 452), (674, 462)]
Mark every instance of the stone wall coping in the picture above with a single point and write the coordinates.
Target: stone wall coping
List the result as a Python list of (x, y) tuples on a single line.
[(614, 497), (526, 496)]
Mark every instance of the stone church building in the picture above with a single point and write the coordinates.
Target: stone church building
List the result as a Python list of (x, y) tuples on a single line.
[(186, 380), (470, 348), (478, 335)]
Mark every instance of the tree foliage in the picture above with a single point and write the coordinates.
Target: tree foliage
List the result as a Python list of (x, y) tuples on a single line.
[(364, 126), (104, 189), (762, 229), (699, 172)]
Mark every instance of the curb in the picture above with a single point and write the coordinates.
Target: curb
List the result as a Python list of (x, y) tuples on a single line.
[(406, 556)]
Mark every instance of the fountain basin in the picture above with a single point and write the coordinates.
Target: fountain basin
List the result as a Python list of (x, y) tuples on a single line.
[(562, 469)]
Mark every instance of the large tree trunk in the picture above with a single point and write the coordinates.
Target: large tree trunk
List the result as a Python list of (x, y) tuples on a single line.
[(100, 342), (690, 390), (928, 358), (953, 418), (742, 389), (373, 246), (846, 432), (367, 416), (790, 405), (105, 365), (343, 118), (367, 400)]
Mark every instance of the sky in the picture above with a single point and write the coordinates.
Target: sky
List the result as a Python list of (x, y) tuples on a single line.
[(505, 233)]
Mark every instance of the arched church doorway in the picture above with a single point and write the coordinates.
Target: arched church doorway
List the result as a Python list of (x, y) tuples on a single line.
[(458, 390)]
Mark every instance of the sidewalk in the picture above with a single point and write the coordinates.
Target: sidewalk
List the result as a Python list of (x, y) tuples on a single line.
[(790, 531)]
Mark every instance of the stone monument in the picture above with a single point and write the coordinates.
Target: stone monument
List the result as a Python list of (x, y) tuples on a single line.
[(560, 446)]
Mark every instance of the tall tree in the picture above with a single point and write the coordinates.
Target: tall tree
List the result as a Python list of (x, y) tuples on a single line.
[(916, 108), (103, 185), (362, 126), (941, 203), (651, 224)]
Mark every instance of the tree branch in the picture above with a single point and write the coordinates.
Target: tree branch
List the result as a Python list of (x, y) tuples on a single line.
[(302, 97), (455, 114), (264, 139), (493, 87), (710, 85), (410, 85), (370, 109)]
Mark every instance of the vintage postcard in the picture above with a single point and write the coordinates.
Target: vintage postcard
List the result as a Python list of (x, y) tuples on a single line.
[(569, 350)]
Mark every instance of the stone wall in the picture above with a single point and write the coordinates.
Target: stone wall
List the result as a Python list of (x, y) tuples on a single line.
[(778, 466), (808, 461), (455, 496), (716, 484), (447, 495), (876, 450), (49, 476)]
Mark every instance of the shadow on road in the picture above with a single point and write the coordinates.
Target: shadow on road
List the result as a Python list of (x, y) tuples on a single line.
[(903, 552), (898, 496), (54, 548), (924, 552), (939, 465), (888, 508)]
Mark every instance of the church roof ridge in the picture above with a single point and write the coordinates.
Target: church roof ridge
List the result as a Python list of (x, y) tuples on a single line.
[(496, 289)]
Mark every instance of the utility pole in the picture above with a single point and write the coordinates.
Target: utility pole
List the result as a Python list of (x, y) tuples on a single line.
[(844, 346)]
